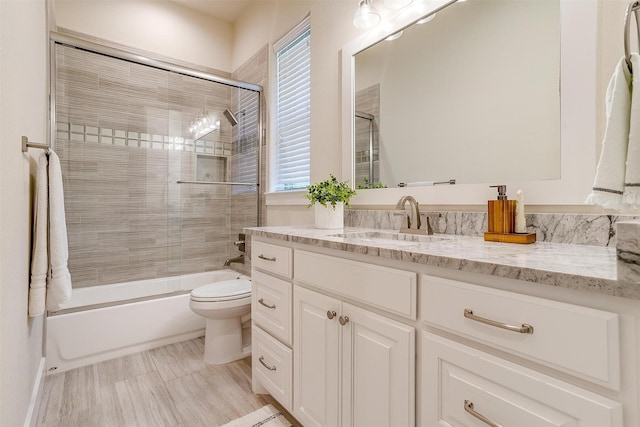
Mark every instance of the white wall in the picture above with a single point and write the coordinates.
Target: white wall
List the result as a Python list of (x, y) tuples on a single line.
[(156, 26), (331, 28), (23, 106)]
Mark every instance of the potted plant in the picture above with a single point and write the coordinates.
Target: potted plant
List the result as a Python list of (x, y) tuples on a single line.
[(329, 198)]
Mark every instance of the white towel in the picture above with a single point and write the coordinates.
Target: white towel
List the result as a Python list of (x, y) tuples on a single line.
[(59, 289), (50, 279), (40, 254), (631, 196), (608, 185)]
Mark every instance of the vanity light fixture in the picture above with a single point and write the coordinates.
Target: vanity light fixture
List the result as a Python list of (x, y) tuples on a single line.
[(397, 4), (366, 15), (394, 36)]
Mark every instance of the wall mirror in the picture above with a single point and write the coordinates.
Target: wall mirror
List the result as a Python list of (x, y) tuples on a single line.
[(472, 95)]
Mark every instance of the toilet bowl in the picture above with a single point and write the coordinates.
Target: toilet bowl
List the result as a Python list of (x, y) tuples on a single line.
[(223, 304)]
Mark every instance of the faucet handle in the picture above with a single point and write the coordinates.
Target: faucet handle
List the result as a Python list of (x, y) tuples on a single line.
[(240, 243), (429, 227)]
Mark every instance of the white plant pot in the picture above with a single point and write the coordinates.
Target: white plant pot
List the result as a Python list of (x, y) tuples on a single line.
[(327, 217)]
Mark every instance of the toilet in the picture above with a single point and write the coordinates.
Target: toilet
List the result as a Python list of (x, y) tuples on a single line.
[(226, 305)]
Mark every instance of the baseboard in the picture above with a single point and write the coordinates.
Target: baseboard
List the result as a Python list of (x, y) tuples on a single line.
[(36, 395)]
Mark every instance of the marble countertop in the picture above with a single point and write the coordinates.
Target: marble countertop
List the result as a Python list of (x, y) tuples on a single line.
[(590, 268)]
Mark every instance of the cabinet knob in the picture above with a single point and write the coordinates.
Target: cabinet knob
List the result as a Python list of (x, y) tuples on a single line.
[(331, 314), (343, 320)]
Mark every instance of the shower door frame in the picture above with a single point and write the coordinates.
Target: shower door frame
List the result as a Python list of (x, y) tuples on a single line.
[(370, 118), (151, 61)]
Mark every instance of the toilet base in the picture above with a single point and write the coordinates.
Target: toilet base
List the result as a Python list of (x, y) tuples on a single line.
[(223, 341)]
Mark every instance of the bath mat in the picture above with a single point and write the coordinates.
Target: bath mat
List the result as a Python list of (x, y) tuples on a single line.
[(267, 416)]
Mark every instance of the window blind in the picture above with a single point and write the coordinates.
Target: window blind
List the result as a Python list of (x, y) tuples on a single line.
[(293, 118)]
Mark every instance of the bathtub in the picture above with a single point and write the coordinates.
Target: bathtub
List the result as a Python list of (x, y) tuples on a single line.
[(109, 321)]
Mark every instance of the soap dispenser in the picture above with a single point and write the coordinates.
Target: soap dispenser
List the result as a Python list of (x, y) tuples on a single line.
[(502, 212)]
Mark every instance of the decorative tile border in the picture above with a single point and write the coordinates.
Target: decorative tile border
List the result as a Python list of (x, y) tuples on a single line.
[(96, 135)]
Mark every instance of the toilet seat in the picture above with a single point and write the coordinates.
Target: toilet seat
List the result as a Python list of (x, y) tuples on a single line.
[(227, 290)]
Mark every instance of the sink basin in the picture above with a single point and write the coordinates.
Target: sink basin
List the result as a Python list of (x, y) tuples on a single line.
[(395, 238)]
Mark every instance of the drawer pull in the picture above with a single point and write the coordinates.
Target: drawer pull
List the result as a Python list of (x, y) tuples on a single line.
[(331, 314), (343, 320), (261, 360), (468, 406), (272, 259), (271, 306), (524, 329)]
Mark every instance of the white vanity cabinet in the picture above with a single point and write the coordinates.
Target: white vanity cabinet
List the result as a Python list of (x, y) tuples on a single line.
[(272, 356), (335, 342), (351, 367), (464, 386)]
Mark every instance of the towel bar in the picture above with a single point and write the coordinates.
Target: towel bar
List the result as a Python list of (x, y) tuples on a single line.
[(633, 7), (26, 145)]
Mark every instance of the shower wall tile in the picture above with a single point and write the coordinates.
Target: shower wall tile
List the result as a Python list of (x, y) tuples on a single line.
[(256, 70)]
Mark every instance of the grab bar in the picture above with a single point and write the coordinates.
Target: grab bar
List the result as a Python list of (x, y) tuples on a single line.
[(633, 7)]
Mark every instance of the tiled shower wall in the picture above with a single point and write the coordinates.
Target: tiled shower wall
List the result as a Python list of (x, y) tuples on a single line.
[(254, 70), (123, 145)]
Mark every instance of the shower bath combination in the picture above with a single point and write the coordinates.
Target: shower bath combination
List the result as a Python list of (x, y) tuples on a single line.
[(162, 225)]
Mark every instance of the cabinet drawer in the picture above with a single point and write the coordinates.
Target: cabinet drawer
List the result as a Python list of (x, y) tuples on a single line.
[(271, 305), (462, 384), (386, 288), (578, 340), (272, 366), (272, 258)]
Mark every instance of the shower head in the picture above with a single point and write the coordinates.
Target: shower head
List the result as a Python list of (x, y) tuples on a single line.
[(231, 117)]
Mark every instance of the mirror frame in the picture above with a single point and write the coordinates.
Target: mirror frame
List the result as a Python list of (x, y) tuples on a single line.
[(578, 113)]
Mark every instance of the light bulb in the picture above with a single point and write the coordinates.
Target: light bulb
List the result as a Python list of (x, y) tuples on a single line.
[(366, 15), (394, 36), (426, 19), (396, 4)]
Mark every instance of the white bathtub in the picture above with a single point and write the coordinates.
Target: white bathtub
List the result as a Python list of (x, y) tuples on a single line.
[(104, 322)]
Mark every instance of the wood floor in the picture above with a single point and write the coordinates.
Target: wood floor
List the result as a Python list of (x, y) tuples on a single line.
[(166, 386)]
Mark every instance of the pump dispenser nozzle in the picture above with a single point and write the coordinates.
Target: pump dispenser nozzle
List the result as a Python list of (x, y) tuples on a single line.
[(502, 191)]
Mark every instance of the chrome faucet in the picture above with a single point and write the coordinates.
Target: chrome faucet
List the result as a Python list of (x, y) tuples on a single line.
[(413, 218), (238, 259)]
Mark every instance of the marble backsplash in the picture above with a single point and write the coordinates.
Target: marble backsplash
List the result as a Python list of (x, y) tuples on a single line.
[(577, 229)]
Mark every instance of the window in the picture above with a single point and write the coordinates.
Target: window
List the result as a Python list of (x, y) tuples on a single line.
[(293, 99)]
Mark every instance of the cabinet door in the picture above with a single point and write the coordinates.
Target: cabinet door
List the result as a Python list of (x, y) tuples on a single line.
[(378, 362), (316, 358)]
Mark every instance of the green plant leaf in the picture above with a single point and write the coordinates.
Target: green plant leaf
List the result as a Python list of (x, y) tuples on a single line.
[(329, 191)]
